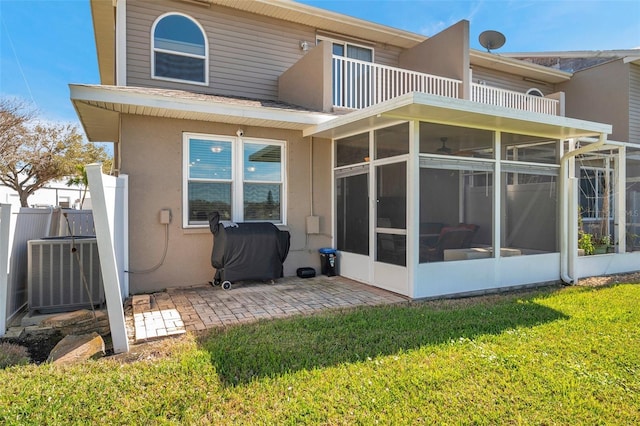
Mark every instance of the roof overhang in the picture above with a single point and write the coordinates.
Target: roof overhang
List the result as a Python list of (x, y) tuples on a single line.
[(325, 20), (536, 73), (104, 23), (104, 31), (99, 109), (457, 112)]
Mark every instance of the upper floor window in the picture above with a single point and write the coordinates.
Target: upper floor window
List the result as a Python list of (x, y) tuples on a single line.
[(179, 49), (348, 50)]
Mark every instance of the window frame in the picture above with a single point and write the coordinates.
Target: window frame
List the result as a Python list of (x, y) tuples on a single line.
[(345, 44), (173, 52), (237, 176), (599, 173)]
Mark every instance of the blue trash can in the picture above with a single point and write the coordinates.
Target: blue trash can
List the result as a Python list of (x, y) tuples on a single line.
[(328, 261)]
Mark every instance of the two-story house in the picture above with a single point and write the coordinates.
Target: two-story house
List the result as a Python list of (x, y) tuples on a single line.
[(432, 168)]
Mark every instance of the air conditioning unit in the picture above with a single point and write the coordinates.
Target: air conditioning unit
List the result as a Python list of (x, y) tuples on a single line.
[(55, 274)]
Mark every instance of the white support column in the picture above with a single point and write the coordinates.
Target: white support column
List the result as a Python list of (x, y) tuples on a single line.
[(620, 193), (497, 195), (608, 195), (572, 234), (373, 209), (103, 216), (5, 227), (413, 206)]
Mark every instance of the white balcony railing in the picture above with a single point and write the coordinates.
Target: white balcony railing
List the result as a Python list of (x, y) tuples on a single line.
[(359, 84), (507, 98)]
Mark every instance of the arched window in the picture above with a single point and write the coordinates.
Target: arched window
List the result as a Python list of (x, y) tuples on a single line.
[(535, 92), (179, 49)]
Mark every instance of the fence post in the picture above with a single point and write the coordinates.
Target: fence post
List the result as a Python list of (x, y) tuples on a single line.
[(5, 222), (104, 217)]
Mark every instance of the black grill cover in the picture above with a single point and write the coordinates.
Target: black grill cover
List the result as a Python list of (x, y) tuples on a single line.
[(248, 251)]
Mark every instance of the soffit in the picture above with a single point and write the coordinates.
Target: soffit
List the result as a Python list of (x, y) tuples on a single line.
[(518, 67), (99, 109), (104, 24), (456, 112)]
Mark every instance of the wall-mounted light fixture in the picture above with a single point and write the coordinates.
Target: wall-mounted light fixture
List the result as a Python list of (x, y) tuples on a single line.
[(305, 45)]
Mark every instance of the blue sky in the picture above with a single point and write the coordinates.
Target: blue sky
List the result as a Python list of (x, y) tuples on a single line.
[(47, 44)]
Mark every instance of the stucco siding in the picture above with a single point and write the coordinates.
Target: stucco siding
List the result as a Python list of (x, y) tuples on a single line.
[(601, 94), (152, 158), (247, 53), (634, 103)]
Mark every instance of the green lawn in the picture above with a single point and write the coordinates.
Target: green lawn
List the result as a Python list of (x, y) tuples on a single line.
[(552, 356)]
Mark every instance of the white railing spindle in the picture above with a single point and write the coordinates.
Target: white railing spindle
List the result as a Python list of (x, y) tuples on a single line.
[(510, 99), (359, 84)]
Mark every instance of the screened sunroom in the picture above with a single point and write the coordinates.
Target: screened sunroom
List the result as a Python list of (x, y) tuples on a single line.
[(435, 197)]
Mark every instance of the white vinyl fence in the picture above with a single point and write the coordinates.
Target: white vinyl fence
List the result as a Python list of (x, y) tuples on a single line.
[(109, 197), (30, 224)]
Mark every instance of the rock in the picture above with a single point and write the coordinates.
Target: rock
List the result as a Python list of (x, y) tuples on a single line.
[(79, 322), (36, 331), (14, 332), (75, 348), (68, 318), (141, 303)]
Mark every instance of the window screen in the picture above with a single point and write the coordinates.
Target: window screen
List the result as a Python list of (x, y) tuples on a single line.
[(179, 49)]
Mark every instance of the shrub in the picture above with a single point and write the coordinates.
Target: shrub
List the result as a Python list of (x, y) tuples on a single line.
[(585, 242), (12, 354)]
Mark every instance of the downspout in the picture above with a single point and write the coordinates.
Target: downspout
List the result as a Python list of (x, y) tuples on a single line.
[(569, 235)]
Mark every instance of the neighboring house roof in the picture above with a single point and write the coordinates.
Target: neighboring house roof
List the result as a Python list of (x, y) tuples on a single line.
[(98, 107), (104, 23), (577, 60)]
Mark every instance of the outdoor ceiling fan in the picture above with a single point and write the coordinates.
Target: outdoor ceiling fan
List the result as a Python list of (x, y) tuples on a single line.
[(444, 149)]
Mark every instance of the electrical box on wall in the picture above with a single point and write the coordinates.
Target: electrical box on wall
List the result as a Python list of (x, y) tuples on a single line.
[(165, 216), (313, 224)]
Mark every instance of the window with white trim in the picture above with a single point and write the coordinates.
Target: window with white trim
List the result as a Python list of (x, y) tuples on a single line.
[(179, 49), (352, 80), (240, 178)]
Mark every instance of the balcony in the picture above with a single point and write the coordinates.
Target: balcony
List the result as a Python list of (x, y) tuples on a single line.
[(521, 101), (359, 84), (328, 82)]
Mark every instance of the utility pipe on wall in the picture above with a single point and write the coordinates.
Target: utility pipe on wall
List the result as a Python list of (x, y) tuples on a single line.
[(569, 228)]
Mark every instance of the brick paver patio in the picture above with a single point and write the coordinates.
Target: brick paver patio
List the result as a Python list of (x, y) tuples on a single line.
[(198, 308)]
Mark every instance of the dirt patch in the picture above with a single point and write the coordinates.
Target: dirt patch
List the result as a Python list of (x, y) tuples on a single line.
[(609, 280), (38, 346), (153, 350)]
